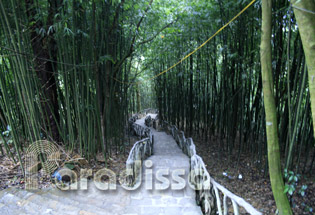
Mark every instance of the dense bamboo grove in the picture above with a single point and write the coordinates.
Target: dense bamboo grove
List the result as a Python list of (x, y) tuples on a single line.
[(62, 67), (218, 91)]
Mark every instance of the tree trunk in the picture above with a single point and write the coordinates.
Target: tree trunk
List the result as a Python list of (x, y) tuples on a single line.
[(45, 50), (271, 113), (305, 17), (138, 99), (191, 95)]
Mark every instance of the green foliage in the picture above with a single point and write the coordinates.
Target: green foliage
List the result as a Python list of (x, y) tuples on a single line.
[(103, 59), (7, 133), (292, 182), (70, 166)]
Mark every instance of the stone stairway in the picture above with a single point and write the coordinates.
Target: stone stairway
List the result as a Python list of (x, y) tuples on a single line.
[(167, 166)]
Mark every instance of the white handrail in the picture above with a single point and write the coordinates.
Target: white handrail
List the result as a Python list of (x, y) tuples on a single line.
[(210, 190), (140, 151)]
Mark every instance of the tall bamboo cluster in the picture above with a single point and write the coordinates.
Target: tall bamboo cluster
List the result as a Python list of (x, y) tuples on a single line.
[(217, 92), (59, 65)]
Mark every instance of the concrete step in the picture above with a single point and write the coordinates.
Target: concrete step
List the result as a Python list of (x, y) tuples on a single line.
[(81, 202), (10, 209), (54, 204), (153, 210), (17, 205), (110, 201)]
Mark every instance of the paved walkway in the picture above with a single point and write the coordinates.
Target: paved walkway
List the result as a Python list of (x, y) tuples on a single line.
[(167, 166)]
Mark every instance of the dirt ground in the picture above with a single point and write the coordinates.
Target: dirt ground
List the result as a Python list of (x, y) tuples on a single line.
[(11, 173), (250, 182)]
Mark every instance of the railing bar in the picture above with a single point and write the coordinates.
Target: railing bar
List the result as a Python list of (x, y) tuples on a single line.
[(225, 205), (217, 195), (241, 202), (235, 207), (139, 150)]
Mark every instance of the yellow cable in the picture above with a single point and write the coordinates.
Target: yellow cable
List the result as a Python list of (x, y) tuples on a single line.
[(199, 47)]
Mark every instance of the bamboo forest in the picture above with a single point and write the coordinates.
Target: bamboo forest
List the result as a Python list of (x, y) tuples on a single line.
[(157, 107)]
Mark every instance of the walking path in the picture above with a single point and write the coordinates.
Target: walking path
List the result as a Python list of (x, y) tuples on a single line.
[(167, 166)]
